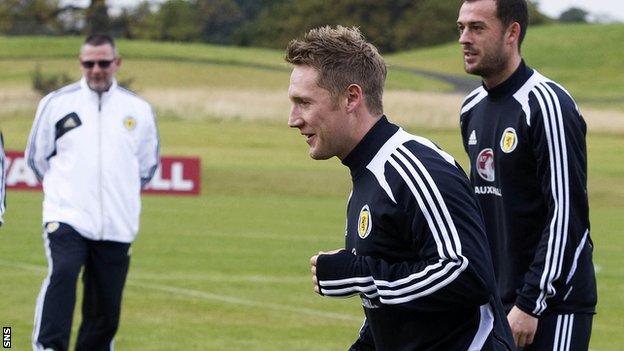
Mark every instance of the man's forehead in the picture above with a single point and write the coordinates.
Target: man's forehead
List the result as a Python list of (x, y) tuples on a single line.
[(91, 50), (477, 11), (304, 74), (303, 78)]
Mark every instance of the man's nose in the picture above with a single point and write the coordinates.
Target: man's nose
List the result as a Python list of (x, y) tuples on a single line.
[(464, 36), (96, 68), (294, 119)]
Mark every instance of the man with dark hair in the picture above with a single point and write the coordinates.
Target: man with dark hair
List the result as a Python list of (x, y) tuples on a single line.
[(525, 139), (93, 144), (415, 248)]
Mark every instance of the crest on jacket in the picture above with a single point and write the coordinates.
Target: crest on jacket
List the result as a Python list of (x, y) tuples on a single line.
[(509, 140), (365, 222), (51, 227), (129, 123)]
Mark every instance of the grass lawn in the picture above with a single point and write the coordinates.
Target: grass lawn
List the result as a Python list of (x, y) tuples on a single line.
[(583, 57), (229, 270)]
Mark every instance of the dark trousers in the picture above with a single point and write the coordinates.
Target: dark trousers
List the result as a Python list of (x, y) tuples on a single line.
[(566, 332), (105, 268)]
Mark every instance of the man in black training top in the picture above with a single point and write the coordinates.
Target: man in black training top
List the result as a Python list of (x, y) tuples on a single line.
[(415, 250), (525, 139)]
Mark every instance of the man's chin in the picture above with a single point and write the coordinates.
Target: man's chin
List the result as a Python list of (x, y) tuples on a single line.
[(98, 87), (472, 69), (317, 156)]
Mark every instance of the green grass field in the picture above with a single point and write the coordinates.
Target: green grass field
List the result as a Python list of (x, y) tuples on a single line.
[(170, 64), (585, 58), (228, 270)]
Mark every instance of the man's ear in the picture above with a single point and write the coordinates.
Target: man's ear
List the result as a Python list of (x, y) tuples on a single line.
[(355, 97), (513, 33)]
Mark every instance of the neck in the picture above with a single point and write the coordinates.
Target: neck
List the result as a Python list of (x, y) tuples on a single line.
[(501, 76), (361, 123)]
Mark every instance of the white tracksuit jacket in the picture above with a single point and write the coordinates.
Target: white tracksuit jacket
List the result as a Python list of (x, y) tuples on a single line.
[(94, 153)]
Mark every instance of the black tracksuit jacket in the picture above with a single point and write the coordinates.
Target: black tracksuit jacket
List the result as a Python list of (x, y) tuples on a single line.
[(415, 250), (526, 142)]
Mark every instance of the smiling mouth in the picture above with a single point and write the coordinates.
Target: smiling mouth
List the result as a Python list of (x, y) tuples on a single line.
[(469, 54), (308, 136)]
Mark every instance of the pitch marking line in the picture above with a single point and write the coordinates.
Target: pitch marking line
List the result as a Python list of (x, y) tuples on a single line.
[(198, 294), (218, 278)]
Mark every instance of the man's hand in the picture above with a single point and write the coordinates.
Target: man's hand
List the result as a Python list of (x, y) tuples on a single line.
[(313, 259), (523, 326)]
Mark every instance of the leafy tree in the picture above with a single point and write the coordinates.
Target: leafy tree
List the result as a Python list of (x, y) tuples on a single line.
[(138, 22), (390, 24), (21, 17), (47, 83), (178, 20), (430, 22), (218, 20), (535, 16), (574, 14), (72, 19), (98, 20)]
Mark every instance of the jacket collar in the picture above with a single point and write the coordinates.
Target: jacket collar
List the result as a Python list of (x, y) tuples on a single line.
[(94, 95), (512, 84), (367, 148)]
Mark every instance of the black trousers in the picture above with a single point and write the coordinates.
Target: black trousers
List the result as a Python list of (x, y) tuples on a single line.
[(565, 332), (105, 268)]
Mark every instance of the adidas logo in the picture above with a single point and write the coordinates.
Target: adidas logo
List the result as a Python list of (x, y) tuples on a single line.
[(70, 123), (472, 140)]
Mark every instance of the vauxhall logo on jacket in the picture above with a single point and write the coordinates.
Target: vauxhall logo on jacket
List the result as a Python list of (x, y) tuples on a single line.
[(485, 162)]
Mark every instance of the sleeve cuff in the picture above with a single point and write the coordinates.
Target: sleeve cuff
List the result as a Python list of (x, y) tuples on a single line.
[(335, 266), (525, 305)]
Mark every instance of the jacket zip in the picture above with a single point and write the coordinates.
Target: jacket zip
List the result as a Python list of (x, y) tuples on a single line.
[(100, 167)]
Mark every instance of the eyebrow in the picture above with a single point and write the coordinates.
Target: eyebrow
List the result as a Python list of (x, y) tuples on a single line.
[(471, 23), (298, 99)]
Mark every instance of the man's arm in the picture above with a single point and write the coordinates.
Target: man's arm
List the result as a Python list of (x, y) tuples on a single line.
[(364, 341), (149, 150), (41, 140), (558, 138), (453, 258)]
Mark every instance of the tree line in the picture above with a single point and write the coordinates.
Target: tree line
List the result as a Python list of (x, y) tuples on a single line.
[(390, 24)]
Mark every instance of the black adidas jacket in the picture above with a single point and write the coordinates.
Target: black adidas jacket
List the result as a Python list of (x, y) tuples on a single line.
[(526, 142), (415, 251)]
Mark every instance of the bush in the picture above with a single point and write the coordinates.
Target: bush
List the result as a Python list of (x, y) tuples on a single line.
[(47, 83)]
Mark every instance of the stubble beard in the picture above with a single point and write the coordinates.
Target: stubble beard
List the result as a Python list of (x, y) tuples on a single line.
[(490, 65), (318, 153), (99, 86)]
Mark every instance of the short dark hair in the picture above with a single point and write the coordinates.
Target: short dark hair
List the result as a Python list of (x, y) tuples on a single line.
[(342, 57), (100, 39), (510, 11)]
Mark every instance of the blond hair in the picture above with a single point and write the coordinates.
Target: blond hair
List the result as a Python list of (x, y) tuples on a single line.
[(342, 57)]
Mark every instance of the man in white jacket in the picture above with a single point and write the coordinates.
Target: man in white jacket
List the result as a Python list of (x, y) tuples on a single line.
[(93, 145)]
